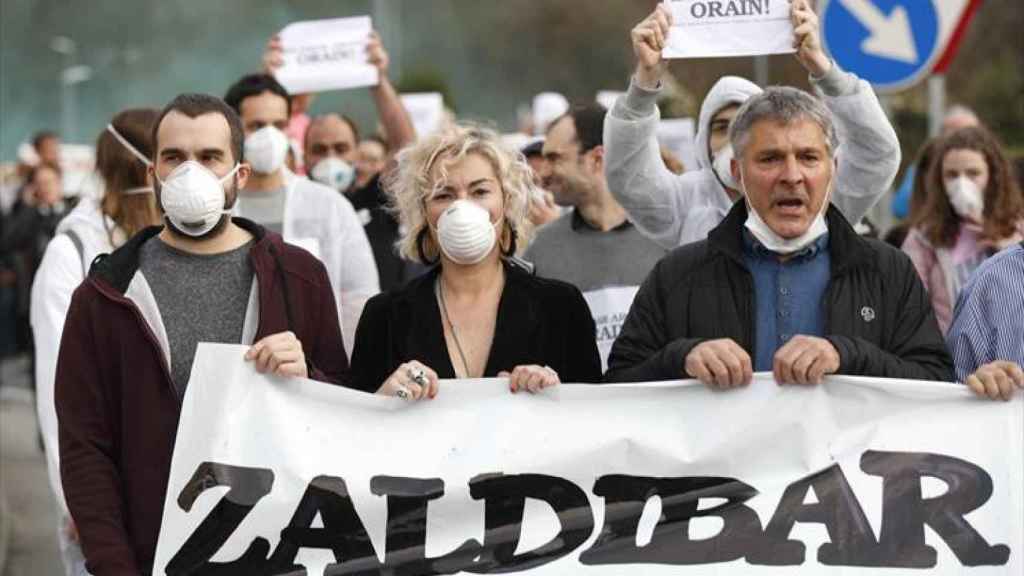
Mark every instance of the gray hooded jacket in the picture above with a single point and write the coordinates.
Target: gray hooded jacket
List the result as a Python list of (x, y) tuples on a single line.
[(678, 209)]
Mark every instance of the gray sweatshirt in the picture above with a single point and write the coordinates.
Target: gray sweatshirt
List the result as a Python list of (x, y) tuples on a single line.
[(678, 209)]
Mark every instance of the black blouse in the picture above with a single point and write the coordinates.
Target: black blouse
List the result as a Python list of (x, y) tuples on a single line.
[(540, 321)]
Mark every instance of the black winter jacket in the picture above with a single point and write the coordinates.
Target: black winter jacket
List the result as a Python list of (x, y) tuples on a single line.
[(878, 314)]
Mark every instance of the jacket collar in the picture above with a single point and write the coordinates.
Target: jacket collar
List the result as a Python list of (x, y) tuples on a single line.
[(846, 248), (118, 269)]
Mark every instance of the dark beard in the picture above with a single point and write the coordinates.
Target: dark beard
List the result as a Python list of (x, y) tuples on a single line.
[(230, 197)]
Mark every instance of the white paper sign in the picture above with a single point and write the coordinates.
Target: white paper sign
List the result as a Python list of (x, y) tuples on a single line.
[(855, 476), (677, 134), (723, 28), (609, 307), (322, 55), (426, 110)]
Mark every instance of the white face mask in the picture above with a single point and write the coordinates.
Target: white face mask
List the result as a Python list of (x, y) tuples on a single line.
[(465, 232), (334, 172), (193, 197), (775, 243), (966, 198), (721, 165), (137, 191), (266, 149)]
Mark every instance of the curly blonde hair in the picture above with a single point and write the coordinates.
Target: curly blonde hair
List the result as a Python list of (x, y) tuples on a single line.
[(409, 184)]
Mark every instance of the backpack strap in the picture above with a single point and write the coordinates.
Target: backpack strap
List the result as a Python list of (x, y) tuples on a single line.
[(79, 247)]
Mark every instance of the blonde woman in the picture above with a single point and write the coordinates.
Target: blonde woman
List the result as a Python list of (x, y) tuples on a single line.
[(461, 197)]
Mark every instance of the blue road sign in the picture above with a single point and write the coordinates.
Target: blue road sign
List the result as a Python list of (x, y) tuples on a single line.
[(889, 43)]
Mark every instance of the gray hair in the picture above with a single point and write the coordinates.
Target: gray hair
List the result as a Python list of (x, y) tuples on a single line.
[(782, 104)]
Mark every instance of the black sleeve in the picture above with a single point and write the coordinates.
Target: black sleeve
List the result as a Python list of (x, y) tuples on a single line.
[(642, 352), (916, 350), (371, 352), (583, 361)]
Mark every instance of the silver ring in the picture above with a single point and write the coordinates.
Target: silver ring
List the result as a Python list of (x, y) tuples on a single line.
[(418, 376), (402, 393)]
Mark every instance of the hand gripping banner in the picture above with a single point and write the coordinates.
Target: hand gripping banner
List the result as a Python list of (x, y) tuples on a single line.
[(289, 476)]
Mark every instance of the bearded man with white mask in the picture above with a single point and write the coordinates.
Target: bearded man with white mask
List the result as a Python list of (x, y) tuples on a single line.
[(783, 283), (133, 327), (308, 214)]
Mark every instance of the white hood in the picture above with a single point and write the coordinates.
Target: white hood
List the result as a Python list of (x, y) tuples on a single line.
[(728, 90)]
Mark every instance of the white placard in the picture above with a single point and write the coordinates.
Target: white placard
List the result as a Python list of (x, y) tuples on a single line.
[(321, 55), (725, 28), (426, 109), (609, 307), (854, 476)]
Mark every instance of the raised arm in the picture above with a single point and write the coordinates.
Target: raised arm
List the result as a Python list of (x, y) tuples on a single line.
[(656, 199)]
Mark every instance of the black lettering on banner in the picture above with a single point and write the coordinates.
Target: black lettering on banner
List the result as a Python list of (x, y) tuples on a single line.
[(504, 501), (625, 498), (905, 511), (246, 486), (406, 539), (343, 532), (852, 543)]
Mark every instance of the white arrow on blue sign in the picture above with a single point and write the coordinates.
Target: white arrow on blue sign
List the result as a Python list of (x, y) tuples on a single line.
[(890, 43)]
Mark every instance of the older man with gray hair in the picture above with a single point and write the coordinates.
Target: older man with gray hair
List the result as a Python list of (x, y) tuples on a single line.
[(783, 283)]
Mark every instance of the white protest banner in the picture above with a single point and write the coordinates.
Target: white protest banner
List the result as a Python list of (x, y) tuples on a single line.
[(677, 134), (426, 109), (727, 28), (322, 55), (609, 307), (855, 476)]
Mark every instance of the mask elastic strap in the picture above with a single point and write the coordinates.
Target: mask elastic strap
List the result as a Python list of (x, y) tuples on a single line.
[(137, 191), (124, 142)]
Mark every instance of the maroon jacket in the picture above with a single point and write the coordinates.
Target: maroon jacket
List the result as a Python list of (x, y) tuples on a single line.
[(116, 404)]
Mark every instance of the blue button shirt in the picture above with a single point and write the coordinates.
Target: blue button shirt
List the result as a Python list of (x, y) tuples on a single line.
[(788, 296)]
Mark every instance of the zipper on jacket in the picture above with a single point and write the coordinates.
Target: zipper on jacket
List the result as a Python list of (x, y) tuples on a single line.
[(168, 380)]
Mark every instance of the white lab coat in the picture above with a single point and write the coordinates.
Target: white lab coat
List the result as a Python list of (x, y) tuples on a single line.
[(322, 221)]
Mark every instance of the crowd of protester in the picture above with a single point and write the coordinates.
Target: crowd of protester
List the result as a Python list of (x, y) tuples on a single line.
[(389, 263)]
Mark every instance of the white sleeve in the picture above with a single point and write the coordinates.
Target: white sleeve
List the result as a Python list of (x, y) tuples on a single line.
[(358, 280), (56, 279), (869, 150), (657, 200)]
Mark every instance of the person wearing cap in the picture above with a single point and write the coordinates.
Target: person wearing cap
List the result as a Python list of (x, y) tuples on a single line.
[(543, 208)]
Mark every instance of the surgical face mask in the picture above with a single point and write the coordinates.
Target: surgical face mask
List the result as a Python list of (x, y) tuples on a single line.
[(775, 243), (334, 172), (266, 149), (721, 165), (193, 197), (465, 232), (966, 198)]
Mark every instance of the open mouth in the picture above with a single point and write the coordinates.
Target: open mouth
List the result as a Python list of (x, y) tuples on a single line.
[(789, 205)]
